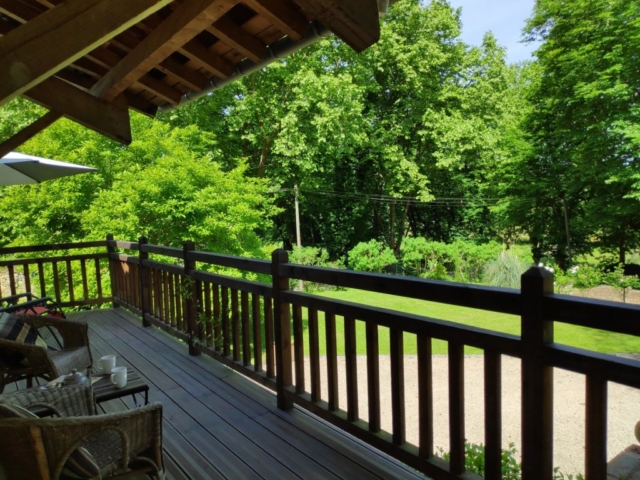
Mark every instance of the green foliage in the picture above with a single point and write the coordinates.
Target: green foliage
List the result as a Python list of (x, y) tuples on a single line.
[(504, 271), (586, 277), (372, 256), (463, 260), (621, 282), (584, 130), (315, 257), (474, 461)]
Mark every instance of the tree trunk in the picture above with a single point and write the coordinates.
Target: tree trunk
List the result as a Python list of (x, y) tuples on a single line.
[(405, 213), (392, 234)]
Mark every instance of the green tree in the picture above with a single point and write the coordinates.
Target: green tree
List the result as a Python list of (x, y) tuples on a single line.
[(584, 126)]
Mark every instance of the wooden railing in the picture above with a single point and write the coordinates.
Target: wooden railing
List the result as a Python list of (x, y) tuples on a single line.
[(62, 276), (258, 329)]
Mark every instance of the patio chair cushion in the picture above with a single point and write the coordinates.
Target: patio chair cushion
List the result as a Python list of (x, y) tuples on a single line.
[(12, 327)]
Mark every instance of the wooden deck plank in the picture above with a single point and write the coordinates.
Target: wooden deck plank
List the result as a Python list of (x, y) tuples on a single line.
[(219, 424), (209, 434), (368, 459)]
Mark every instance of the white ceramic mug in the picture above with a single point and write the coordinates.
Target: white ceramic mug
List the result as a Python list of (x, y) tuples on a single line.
[(119, 376), (108, 363)]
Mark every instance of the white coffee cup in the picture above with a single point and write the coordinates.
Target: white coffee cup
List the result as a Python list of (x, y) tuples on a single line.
[(108, 363), (119, 376)]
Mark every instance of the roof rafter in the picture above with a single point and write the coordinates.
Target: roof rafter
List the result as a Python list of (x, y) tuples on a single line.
[(282, 15), (31, 53), (189, 19), (354, 21), (231, 34)]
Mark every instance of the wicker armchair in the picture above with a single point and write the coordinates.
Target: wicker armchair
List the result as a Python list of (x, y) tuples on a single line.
[(121, 444), (20, 361)]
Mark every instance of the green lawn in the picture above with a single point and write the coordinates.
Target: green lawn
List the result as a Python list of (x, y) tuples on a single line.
[(590, 339)]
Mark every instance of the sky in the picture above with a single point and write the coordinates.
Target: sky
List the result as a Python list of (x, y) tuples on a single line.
[(505, 18)]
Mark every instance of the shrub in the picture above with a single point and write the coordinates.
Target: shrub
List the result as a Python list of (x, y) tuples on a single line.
[(504, 271), (371, 256), (316, 257), (474, 461)]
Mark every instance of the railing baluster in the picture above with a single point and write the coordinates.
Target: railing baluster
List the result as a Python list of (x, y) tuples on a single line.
[(351, 363), (298, 349), (246, 336), (235, 324), (314, 354), (596, 428), (226, 336), (268, 337), (56, 281), (172, 301), (332, 361), (493, 415), (27, 278), (12, 280), (43, 288), (257, 332), (98, 272), (83, 276), (207, 314), (72, 296), (456, 406), (425, 396), (373, 376), (179, 317), (396, 341), (217, 319)]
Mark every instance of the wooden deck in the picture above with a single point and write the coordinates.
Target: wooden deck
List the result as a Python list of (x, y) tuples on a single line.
[(218, 424)]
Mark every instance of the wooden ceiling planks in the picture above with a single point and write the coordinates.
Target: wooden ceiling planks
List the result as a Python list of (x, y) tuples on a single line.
[(149, 53)]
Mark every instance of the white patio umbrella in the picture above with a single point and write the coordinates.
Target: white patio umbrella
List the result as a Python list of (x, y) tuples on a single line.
[(17, 169)]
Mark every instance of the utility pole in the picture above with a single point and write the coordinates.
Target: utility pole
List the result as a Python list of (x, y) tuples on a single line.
[(566, 226), (298, 239)]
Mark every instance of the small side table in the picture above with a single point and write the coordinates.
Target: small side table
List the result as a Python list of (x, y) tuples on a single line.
[(104, 390)]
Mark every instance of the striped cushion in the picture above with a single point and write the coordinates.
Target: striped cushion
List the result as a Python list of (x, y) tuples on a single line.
[(12, 327)]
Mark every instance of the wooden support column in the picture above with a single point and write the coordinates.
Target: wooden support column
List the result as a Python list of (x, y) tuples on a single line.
[(282, 316), (112, 271), (537, 377), (144, 281), (190, 299)]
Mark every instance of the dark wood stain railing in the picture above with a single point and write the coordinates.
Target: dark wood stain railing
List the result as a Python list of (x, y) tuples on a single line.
[(257, 329), (63, 277)]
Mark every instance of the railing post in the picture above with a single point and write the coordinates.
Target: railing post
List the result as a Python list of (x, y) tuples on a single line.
[(112, 272), (537, 377), (282, 326), (143, 272), (190, 299)]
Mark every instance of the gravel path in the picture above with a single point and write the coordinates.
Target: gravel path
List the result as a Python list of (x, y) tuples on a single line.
[(569, 398)]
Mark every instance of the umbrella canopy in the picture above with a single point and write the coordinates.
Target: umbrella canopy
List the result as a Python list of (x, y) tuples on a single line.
[(17, 169)]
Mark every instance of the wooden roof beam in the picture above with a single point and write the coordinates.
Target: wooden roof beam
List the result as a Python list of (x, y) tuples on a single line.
[(234, 36), (189, 19), (207, 59), (28, 132), (356, 22), (285, 18), (83, 108), (55, 39)]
